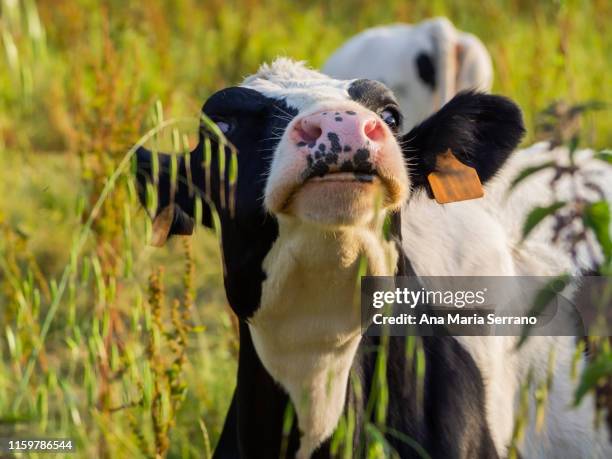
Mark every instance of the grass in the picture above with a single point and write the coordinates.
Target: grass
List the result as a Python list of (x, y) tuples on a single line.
[(137, 363)]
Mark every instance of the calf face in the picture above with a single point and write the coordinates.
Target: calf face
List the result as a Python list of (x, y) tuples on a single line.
[(335, 157), (319, 164)]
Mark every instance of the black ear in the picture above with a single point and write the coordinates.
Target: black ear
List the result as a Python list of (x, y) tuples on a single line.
[(481, 130), (176, 197)]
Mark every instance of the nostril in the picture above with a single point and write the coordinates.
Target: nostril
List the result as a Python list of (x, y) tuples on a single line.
[(307, 131), (373, 130)]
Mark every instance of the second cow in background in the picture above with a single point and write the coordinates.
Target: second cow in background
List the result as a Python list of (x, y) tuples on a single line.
[(424, 64)]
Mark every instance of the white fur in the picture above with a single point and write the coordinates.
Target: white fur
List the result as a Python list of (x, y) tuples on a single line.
[(307, 329), (300, 86), (388, 54), (481, 238)]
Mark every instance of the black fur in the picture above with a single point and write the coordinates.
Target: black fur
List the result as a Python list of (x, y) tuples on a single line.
[(374, 96), (426, 70), (249, 234), (482, 130), (184, 197)]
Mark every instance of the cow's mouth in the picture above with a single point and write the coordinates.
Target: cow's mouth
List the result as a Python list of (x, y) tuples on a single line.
[(346, 177), (337, 187), (338, 198), (338, 190)]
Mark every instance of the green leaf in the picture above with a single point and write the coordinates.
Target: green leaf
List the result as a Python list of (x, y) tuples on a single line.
[(159, 112), (233, 168), (596, 371), (388, 228), (207, 153), (572, 145), (538, 214), (221, 160), (542, 299), (597, 217), (173, 174), (376, 439), (288, 419), (604, 155), (528, 172), (420, 450)]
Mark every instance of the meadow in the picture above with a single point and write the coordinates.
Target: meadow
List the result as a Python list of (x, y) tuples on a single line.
[(128, 349)]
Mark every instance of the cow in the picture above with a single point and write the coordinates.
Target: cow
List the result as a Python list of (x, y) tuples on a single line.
[(424, 64), (321, 165)]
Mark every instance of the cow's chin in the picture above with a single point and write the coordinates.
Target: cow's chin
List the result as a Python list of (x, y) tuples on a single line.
[(341, 202)]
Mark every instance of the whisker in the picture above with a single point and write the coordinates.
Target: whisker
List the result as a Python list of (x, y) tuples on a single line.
[(270, 138), (284, 111), (281, 117)]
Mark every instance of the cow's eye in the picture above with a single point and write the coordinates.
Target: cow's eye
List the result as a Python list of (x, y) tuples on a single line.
[(225, 125), (391, 116)]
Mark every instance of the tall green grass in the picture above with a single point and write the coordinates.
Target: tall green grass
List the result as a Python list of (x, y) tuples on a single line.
[(95, 343)]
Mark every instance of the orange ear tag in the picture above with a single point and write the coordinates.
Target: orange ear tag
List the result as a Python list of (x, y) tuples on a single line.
[(454, 181)]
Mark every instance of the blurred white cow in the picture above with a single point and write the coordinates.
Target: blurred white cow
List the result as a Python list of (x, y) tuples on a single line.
[(424, 64)]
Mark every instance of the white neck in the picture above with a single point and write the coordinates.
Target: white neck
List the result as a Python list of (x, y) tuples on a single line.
[(307, 329)]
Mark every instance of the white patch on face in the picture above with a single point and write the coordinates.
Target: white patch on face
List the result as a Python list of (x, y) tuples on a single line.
[(307, 329), (335, 201), (296, 84)]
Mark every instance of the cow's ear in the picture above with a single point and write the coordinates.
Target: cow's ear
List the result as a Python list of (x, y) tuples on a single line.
[(176, 182), (466, 142), (169, 221)]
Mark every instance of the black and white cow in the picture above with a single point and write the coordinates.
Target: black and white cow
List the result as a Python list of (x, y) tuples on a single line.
[(424, 64), (320, 165)]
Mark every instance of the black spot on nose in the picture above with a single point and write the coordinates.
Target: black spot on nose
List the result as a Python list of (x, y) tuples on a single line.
[(335, 142), (361, 155), (338, 118), (322, 147), (319, 169), (347, 148), (346, 166), (331, 158)]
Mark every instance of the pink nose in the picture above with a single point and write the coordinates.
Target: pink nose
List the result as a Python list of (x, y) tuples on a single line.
[(343, 140), (354, 129)]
